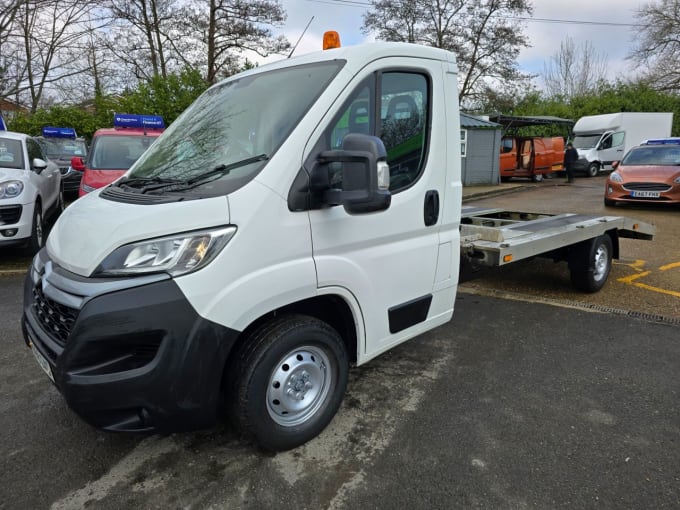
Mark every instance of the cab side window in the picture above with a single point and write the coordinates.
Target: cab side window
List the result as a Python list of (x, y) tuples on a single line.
[(618, 138), (403, 115), (395, 107)]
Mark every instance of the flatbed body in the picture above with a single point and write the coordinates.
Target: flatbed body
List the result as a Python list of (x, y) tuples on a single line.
[(496, 237)]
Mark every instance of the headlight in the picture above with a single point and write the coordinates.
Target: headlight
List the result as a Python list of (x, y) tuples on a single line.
[(176, 255), (616, 177), (11, 189), (677, 180)]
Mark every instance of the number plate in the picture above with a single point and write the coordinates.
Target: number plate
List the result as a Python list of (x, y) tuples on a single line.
[(44, 364), (645, 194)]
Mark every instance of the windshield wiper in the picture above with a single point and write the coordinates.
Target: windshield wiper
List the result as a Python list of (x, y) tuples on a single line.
[(221, 170), (132, 182), (218, 171)]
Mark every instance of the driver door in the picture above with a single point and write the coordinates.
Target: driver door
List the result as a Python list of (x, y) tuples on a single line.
[(387, 260)]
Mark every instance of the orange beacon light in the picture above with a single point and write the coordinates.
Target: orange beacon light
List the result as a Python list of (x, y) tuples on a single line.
[(331, 39)]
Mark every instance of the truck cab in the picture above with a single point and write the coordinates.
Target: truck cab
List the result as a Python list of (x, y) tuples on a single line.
[(266, 241), (114, 150)]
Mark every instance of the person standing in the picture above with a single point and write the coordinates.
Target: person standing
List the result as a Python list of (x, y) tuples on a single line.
[(570, 157)]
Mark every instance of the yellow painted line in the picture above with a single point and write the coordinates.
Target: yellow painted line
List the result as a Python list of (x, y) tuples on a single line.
[(656, 289), (629, 279), (669, 266), (637, 265)]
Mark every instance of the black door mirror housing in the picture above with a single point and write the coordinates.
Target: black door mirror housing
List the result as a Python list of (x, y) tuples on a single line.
[(365, 175)]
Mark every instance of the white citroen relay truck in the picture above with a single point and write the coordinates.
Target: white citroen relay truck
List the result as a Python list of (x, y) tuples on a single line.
[(257, 248), (297, 218)]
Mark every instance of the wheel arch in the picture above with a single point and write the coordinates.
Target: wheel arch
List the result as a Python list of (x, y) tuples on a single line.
[(332, 309)]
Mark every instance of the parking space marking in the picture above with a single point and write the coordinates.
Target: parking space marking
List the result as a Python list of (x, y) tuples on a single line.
[(638, 265)]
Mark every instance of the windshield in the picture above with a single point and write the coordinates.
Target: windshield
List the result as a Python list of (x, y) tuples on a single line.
[(586, 141), (653, 156), (117, 152), (235, 125), (11, 155), (64, 148)]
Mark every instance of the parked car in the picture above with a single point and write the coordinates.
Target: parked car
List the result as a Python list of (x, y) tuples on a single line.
[(30, 191), (649, 173), (114, 150), (61, 144)]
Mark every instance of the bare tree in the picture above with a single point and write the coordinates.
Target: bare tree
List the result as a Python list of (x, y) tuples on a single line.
[(224, 30), (486, 35), (140, 39), (574, 70), (42, 33), (11, 64), (657, 45)]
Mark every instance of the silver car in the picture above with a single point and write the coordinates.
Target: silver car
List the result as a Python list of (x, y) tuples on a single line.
[(30, 191)]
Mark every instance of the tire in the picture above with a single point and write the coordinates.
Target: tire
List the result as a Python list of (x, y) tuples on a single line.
[(609, 203), (287, 381), (593, 169), (37, 239), (590, 263), (505, 179), (537, 177)]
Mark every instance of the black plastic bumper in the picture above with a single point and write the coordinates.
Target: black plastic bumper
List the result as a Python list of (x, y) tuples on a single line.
[(139, 359)]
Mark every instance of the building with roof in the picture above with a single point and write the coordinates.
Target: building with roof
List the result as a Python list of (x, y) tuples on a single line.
[(480, 146)]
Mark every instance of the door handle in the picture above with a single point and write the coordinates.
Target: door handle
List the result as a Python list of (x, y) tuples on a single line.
[(431, 207)]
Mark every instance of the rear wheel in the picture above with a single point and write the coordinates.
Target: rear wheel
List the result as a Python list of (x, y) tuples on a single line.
[(590, 263), (287, 381), (593, 169)]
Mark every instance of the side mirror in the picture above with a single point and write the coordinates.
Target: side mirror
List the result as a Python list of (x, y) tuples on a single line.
[(38, 165), (615, 164), (365, 175), (77, 163)]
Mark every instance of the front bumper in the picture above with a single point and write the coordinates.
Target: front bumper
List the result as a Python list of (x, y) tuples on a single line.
[(127, 354), (71, 181), (636, 193), (580, 165), (16, 216)]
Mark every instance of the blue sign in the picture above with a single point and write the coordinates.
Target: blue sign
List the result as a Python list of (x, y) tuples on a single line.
[(58, 132), (662, 141), (138, 121), (3, 127)]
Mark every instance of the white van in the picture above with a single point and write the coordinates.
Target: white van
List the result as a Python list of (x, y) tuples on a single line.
[(603, 139)]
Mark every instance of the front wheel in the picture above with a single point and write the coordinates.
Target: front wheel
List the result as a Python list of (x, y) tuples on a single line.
[(35, 242), (537, 177), (590, 263), (593, 170), (287, 381)]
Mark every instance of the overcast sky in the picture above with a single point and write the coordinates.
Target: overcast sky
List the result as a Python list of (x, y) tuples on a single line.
[(611, 40)]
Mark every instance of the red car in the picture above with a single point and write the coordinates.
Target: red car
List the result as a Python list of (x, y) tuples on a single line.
[(649, 173), (114, 150)]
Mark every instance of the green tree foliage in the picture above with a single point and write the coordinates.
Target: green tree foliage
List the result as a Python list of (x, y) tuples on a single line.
[(165, 96), (610, 98)]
